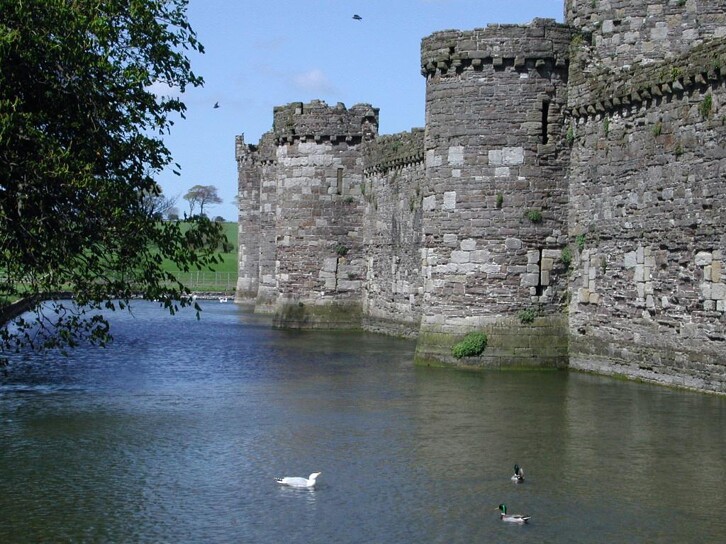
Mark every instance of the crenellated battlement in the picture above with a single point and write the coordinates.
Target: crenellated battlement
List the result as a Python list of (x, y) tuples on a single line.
[(316, 121), (543, 43), (262, 153), (645, 84), (394, 151)]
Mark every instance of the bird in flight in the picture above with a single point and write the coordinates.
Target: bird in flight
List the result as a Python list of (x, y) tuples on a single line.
[(216, 105), (357, 17)]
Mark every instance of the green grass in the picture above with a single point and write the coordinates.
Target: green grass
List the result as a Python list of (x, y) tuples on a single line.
[(223, 277)]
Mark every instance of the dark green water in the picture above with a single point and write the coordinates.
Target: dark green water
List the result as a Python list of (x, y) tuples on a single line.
[(174, 434)]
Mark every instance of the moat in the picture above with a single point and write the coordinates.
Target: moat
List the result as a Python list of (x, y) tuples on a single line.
[(175, 433)]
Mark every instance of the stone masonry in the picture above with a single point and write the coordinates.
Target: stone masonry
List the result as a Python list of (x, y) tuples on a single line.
[(564, 197)]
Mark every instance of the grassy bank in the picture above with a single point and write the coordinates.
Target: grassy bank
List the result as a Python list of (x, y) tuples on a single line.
[(223, 278)]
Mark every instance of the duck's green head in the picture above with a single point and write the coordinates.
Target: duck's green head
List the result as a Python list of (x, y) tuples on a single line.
[(503, 508), (516, 469)]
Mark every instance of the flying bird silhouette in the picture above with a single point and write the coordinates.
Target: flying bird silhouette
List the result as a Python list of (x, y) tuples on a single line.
[(357, 17), (216, 105)]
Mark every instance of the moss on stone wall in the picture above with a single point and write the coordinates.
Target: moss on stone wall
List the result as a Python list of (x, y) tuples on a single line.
[(331, 316)]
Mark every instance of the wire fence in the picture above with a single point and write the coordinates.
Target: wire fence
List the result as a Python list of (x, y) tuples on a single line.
[(205, 282), (209, 281)]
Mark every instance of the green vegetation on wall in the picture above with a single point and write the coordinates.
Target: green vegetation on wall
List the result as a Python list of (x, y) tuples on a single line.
[(472, 345)]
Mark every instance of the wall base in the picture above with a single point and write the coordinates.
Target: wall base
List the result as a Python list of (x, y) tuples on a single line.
[(308, 315), (511, 344), (700, 371)]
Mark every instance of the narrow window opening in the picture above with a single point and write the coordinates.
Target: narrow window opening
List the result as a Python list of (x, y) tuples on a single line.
[(340, 181), (545, 114), (540, 288)]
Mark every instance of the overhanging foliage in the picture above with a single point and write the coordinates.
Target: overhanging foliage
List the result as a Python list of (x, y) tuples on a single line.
[(80, 143)]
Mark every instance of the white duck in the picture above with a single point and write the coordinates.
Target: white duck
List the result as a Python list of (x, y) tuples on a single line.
[(511, 518), (295, 481), (518, 475)]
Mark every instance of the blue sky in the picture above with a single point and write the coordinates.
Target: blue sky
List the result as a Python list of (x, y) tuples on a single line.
[(264, 53)]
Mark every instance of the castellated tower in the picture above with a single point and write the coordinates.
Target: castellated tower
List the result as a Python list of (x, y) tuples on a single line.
[(305, 210), (494, 202)]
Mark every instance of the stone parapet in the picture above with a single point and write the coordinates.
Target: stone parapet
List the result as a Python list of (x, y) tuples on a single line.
[(394, 151), (316, 121), (541, 44), (647, 84)]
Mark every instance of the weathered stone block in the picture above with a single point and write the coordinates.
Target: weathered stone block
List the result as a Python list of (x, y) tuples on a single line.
[(429, 203), (583, 296), (460, 256), (703, 258), (468, 244), (630, 260), (491, 268), (718, 291), (480, 256), (513, 243), (449, 200), (716, 271), (456, 155)]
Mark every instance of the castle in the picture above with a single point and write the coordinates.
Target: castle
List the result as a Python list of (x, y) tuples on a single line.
[(566, 197)]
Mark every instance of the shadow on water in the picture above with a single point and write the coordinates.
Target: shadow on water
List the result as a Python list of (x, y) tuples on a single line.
[(176, 432)]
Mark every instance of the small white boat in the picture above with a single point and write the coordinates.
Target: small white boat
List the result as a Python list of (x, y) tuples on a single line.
[(222, 299)]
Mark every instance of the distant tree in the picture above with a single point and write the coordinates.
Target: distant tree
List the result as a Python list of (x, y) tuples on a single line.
[(172, 214), (80, 143), (219, 219), (203, 195), (157, 205)]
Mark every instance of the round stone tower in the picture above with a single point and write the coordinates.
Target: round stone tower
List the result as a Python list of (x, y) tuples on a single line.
[(318, 206), (494, 206), (625, 32)]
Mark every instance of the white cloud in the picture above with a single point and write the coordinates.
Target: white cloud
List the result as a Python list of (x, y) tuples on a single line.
[(159, 88), (313, 81)]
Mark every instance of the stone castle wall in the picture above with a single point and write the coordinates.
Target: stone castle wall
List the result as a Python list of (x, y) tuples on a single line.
[(564, 197), (494, 200), (628, 32), (647, 189), (393, 288)]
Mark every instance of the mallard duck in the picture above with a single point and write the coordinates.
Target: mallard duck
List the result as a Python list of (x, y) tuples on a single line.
[(296, 481), (511, 518), (518, 474)]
